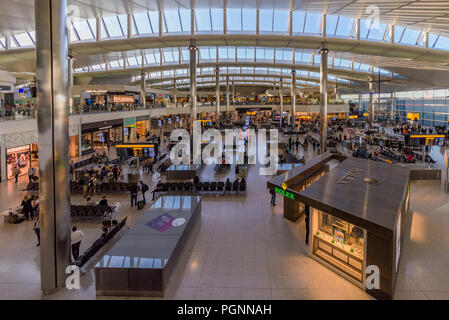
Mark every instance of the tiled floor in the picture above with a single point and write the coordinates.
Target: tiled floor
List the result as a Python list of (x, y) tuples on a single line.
[(244, 249)]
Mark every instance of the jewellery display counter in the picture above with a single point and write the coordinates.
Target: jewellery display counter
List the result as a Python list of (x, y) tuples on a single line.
[(355, 216), (340, 243)]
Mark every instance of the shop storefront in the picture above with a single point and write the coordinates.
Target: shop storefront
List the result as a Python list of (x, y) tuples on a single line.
[(354, 220), (22, 157), (142, 126), (99, 136)]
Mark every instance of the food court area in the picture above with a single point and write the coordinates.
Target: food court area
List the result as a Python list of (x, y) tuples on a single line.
[(334, 184)]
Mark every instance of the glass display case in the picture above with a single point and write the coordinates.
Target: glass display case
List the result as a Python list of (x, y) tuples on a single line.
[(341, 244)]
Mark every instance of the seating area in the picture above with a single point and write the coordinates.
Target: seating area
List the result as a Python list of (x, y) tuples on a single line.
[(204, 188), (90, 211), (95, 159), (98, 244), (104, 187)]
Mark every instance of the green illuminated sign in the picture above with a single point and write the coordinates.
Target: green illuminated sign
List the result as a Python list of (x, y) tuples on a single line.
[(284, 193)]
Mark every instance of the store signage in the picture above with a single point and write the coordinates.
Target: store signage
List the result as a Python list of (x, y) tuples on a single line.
[(105, 128), (19, 149), (349, 177), (284, 193), (412, 116), (353, 117), (366, 114)]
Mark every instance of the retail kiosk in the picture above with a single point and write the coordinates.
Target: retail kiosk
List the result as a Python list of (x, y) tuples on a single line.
[(355, 215), (141, 262)]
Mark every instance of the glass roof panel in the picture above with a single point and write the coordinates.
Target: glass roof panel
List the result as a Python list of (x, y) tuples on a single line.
[(217, 16), (345, 27), (432, 38), (132, 61), (249, 19), (24, 40), (442, 43), (266, 20), (142, 23), (83, 30), (280, 21), (312, 23), (377, 31), (331, 24), (398, 31), (365, 26), (203, 20), (154, 20), (298, 19), (245, 53), (234, 19), (113, 26), (123, 19), (172, 21), (410, 36)]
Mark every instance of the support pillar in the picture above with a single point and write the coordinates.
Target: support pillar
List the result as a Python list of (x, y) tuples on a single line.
[(53, 134), (143, 100), (323, 97), (293, 98), (217, 95), (70, 81), (371, 99), (175, 94), (281, 102), (227, 98), (192, 71)]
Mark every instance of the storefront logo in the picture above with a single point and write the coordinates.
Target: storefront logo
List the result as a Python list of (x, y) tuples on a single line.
[(284, 193), (348, 178)]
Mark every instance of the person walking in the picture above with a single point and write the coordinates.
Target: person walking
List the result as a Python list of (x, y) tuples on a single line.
[(76, 242), (273, 197), (143, 188), (31, 174), (37, 231), (134, 189), (84, 181), (16, 171)]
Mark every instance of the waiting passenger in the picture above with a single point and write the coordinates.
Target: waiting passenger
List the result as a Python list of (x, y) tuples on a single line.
[(103, 201)]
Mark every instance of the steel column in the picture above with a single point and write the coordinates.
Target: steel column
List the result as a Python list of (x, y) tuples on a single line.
[(293, 98), (175, 94), (227, 98), (371, 99), (70, 81), (143, 94), (53, 133), (281, 102), (217, 95), (192, 72), (323, 97)]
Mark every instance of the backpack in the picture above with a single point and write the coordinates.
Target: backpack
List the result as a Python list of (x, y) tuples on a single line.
[(144, 187)]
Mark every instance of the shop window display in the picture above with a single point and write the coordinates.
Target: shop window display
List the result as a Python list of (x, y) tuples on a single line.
[(86, 142), (341, 244)]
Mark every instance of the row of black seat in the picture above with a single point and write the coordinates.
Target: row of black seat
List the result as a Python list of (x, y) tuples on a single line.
[(102, 187), (98, 244), (92, 160), (90, 211)]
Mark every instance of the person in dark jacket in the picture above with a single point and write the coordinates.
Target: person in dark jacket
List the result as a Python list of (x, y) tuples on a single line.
[(143, 188), (133, 189)]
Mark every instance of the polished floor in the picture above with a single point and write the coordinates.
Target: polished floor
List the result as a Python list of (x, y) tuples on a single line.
[(244, 249)]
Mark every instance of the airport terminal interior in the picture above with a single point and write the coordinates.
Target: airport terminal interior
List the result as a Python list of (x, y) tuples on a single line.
[(333, 183)]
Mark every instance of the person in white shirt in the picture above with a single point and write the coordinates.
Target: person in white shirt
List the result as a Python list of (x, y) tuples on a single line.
[(76, 242)]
